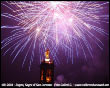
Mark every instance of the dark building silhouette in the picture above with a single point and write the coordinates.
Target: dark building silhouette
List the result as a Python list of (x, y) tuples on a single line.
[(47, 70)]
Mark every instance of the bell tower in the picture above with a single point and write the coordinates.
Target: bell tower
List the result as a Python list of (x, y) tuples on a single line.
[(47, 70)]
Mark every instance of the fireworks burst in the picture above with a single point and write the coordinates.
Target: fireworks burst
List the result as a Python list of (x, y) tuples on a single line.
[(70, 26)]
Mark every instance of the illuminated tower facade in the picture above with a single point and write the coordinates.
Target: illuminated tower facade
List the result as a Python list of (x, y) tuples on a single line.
[(47, 70)]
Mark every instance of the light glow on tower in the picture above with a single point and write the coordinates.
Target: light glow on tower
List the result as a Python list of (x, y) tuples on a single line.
[(47, 59)]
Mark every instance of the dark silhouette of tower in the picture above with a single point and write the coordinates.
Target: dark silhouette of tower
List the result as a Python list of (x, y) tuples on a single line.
[(47, 70)]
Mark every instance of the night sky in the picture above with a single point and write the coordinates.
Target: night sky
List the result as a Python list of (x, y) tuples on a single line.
[(94, 70)]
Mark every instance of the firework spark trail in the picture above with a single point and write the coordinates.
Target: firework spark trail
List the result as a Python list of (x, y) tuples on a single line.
[(55, 25)]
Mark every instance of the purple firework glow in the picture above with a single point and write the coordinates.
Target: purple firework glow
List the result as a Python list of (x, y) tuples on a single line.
[(71, 27)]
